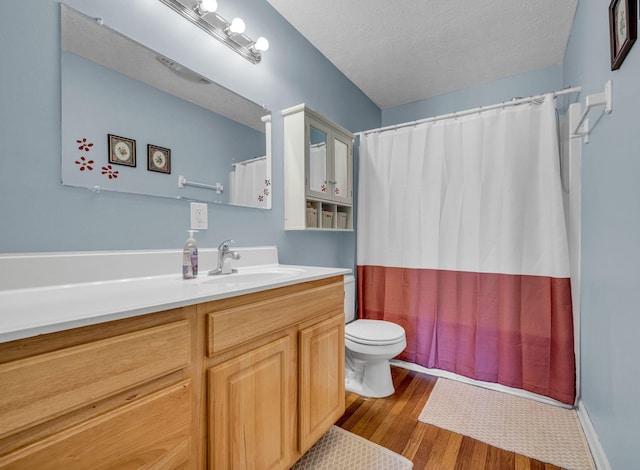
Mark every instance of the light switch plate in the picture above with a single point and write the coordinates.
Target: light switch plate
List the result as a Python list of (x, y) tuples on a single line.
[(199, 216)]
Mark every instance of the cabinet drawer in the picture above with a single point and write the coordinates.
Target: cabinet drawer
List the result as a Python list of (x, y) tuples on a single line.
[(152, 432), (38, 388), (234, 326)]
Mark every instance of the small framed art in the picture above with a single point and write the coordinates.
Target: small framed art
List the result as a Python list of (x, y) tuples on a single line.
[(158, 159), (622, 29), (122, 151)]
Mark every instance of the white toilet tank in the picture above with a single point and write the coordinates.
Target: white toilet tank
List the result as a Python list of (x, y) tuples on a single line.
[(349, 298)]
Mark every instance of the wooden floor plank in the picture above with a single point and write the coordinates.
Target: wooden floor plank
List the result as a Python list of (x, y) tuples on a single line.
[(426, 447), (522, 462), (440, 457), (401, 405), (473, 454), (392, 422), (452, 451), (536, 465), (413, 444), (399, 429)]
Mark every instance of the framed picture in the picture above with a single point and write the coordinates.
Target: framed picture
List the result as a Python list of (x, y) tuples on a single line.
[(122, 151), (622, 29), (158, 159)]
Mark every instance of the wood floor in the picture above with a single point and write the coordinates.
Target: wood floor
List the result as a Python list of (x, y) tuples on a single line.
[(393, 423)]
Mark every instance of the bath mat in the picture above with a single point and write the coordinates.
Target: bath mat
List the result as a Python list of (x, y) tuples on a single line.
[(341, 450), (530, 428)]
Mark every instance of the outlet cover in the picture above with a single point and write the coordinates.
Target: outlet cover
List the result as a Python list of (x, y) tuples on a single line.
[(199, 216)]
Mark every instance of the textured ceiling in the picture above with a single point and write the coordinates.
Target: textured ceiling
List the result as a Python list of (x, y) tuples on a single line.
[(401, 51)]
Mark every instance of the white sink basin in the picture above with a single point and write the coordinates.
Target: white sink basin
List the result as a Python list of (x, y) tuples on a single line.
[(250, 276)]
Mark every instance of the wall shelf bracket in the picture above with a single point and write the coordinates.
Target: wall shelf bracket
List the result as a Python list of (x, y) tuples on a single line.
[(605, 99)]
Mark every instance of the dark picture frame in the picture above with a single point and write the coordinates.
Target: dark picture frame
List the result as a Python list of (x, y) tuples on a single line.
[(623, 29), (158, 159), (122, 151)]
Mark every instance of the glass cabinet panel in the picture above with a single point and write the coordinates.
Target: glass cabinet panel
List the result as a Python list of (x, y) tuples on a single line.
[(317, 160), (341, 189)]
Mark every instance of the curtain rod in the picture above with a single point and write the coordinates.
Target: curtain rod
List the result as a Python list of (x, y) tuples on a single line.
[(512, 102), (251, 160)]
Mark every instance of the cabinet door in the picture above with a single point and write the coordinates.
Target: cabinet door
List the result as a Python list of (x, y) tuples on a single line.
[(317, 157), (342, 169), (321, 379), (252, 409)]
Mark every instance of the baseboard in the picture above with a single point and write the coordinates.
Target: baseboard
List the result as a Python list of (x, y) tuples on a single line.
[(597, 452)]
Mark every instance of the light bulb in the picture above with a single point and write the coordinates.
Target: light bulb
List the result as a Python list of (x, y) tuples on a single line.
[(208, 6), (237, 26), (261, 44)]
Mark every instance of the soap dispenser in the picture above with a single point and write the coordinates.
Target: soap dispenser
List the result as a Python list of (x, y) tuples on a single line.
[(190, 257)]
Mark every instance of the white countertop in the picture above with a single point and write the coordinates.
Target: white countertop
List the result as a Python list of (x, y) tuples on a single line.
[(32, 311)]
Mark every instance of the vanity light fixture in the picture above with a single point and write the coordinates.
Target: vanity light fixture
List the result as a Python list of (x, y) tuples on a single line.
[(203, 7), (203, 14), (261, 44), (237, 26)]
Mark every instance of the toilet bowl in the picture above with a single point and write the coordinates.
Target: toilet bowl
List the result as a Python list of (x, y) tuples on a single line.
[(369, 345)]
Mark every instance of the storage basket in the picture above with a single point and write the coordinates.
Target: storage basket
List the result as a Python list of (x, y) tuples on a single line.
[(341, 221), (312, 217), (327, 219)]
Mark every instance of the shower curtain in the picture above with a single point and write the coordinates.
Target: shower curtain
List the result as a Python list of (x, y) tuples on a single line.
[(247, 183), (461, 240)]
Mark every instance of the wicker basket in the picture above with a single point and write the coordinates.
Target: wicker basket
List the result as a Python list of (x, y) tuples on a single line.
[(327, 219), (312, 217), (341, 221)]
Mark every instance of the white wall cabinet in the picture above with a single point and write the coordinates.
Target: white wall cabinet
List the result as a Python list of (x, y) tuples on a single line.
[(318, 159)]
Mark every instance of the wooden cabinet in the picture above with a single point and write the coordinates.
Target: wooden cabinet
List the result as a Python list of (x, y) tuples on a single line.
[(153, 432), (275, 375), (321, 379), (252, 408), (318, 172), (117, 395), (247, 382)]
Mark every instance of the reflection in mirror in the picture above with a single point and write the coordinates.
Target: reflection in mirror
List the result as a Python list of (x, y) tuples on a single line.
[(136, 121), (340, 166), (317, 160)]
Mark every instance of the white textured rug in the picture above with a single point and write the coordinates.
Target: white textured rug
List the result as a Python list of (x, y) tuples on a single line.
[(341, 450), (530, 428)]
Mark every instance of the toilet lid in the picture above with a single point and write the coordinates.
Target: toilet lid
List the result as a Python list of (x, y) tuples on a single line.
[(374, 332)]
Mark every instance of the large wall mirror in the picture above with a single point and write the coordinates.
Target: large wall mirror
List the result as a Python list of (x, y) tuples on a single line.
[(136, 121)]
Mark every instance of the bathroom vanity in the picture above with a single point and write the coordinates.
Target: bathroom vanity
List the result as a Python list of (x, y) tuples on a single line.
[(243, 371)]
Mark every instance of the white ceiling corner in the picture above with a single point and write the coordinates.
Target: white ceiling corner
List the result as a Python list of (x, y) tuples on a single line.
[(403, 51)]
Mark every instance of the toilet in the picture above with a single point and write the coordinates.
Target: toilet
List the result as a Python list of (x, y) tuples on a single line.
[(369, 345)]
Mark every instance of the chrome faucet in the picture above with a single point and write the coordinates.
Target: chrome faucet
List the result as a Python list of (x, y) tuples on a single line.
[(224, 259)]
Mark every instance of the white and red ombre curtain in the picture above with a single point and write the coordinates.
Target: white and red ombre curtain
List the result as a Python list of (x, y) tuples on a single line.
[(462, 241)]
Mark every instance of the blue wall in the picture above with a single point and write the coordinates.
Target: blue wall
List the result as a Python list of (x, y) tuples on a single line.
[(610, 238), (38, 214)]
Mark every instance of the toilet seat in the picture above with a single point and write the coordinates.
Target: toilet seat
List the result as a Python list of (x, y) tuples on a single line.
[(374, 332)]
